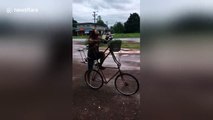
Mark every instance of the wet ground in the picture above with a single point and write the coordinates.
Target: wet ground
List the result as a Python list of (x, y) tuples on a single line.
[(174, 87), (105, 103), (123, 39), (130, 59), (178, 80)]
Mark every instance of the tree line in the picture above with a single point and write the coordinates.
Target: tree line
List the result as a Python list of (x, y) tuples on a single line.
[(132, 25)]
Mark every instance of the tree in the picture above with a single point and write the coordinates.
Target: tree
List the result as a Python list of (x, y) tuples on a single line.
[(118, 27), (74, 25), (132, 25), (112, 29), (100, 21), (74, 22)]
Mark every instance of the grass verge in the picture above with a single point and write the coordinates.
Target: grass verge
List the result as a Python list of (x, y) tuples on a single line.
[(125, 44), (115, 35)]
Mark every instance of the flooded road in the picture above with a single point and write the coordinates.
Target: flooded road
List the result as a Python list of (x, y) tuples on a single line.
[(129, 59), (105, 103), (123, 39)]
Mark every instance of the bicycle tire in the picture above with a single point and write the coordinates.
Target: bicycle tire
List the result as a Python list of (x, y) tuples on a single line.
[(121, 82), (97, 78)]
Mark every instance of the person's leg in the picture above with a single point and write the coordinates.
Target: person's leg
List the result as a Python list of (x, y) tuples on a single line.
[(90, 59), (90, 68), (101, 57), (90, 64)]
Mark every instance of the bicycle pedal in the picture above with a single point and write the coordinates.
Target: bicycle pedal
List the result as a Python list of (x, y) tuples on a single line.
[(86, 59)]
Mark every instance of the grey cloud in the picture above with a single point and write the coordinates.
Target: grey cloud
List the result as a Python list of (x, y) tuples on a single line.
[(104, 4), (110, 10), (117, 1), (79, 1)]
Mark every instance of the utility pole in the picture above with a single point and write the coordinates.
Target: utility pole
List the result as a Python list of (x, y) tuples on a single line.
[(94, 15)]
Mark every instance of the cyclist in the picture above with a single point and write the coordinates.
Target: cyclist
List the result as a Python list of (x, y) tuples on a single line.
[(93, 50)]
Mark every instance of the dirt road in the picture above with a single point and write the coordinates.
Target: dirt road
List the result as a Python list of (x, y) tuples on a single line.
[(103, 104)]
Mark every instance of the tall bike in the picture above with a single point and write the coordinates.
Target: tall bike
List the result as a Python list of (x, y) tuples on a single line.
[(125, 83)]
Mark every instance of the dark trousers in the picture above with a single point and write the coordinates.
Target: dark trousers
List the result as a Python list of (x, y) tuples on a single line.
[(94, 55)]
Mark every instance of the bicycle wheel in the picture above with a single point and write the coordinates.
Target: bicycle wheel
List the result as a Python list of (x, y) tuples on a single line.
[(93, 79), (126, 84)]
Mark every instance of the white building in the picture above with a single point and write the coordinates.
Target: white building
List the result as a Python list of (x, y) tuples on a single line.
[(86, 28)]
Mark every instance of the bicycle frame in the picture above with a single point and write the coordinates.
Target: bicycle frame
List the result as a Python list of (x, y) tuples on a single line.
[(84, 60), (116, 61), (111, 78), (96, 74)]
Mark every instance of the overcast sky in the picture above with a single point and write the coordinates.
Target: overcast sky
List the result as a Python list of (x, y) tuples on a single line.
[(49, 10), (151, 10), (164, 9), (111, 11)]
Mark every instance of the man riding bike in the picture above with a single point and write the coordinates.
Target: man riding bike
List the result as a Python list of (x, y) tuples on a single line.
[(93, 50)]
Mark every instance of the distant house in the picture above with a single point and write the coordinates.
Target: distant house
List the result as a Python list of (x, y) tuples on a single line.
[(85, 28)]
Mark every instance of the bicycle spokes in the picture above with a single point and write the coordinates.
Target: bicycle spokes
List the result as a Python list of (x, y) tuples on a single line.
[(126, 84), (94, 79)]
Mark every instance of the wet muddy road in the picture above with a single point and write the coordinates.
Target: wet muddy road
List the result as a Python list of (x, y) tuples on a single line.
[(105, 103)]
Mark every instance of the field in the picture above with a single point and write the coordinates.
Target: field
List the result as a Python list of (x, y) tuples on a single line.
[(115, 35), (125, 44)]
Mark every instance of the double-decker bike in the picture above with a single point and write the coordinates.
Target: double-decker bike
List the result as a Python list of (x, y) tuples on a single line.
[(125, 83)]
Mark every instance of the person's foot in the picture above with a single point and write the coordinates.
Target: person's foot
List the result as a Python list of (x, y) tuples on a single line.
[(101, 67)]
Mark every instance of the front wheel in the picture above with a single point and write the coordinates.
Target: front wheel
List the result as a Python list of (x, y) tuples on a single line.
[(126, 84), (93, 79)]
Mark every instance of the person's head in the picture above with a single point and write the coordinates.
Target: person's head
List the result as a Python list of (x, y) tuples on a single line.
[(94, 34)]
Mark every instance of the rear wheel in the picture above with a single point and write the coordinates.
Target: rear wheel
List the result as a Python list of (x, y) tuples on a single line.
[(126, 84), (93, 79)]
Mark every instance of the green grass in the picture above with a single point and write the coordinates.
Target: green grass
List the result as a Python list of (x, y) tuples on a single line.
[(130, 45), (126, 35), (115, 35), (80, 37), (127, 44)]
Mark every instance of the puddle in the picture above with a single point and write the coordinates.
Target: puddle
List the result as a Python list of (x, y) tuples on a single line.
[(128, 61)]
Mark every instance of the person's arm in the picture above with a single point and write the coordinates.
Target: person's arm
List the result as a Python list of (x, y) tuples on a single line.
[(102, 40), (92, 40)]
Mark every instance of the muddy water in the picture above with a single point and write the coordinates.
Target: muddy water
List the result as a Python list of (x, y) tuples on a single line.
[(123, 39), (129, 61)]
